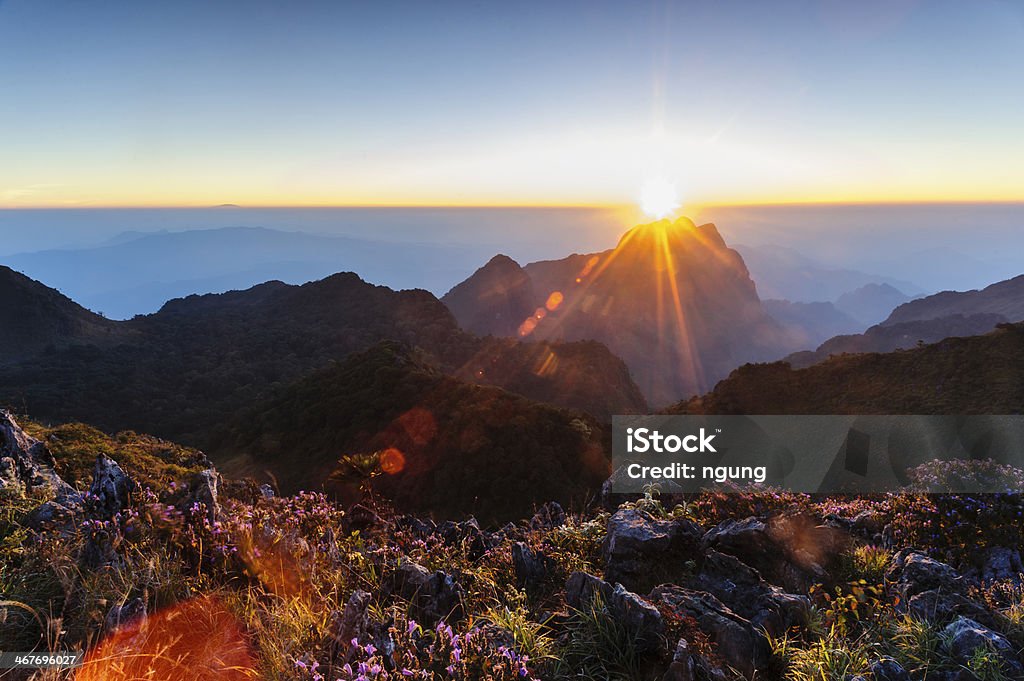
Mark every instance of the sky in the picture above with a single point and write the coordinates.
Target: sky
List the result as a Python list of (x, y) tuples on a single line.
[(200, 102)]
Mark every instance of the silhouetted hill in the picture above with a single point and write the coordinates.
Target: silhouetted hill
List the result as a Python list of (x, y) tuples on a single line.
[(811, 323), (34, 317), (494, 300), (871, 303), (902, 336), (425, 440), (972, 375), (179, 372), (672, 300), (1004, 298)]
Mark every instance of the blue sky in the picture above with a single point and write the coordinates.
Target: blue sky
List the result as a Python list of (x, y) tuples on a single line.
[(331, 103)]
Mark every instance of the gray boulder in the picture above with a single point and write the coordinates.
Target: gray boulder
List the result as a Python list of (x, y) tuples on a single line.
[(433, 595), (111, 488), (682, 666), (964, 636), (548, 517), (27, 465), (641, 551), (790, 551), (353, 621), (531, 567), (634, 612), (203, 489), (740, 644), (888, 669), (742, 589)]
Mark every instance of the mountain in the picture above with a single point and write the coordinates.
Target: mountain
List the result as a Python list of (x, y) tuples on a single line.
[(785, 273), (871, 303), (672, 299), (34, 317), (971, 375), (422, 439), (811, 323), (494, 300), (182, 371), (901, 336), (135, 272), (1004, 298)]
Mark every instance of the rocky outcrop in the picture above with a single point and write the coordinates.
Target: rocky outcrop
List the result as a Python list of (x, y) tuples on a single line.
[(741, 588), (26, 465), (639, 616), (931, 590), (111, 488), (791, 551), (531, 567), (641, 551), (433, 596), (202, 494), (964, 637), (743, 646)]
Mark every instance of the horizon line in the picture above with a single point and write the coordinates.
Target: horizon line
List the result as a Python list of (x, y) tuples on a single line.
[(695, 206)]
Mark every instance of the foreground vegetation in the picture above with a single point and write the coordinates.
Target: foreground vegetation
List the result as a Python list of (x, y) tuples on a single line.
[(300, 588)]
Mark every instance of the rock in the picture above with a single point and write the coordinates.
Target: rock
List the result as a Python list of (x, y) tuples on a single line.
[(111, 488), (681, 667), (467, 534), (581, 588), (640, 551), (888, 669), (433, 595), (548, 517), (30, 468), (129, 615), (60, 515), (912, 572), (1002, 564), (743, 590), (203, 490), (531, 567), (740, 644), (931, 590), (353, 621), (633, 611), (964, 636), (940, 607), (360, 518), (267, 492), (10, 481), (789, 550)]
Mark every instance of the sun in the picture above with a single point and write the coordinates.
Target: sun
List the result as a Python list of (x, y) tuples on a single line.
[(659, 198)]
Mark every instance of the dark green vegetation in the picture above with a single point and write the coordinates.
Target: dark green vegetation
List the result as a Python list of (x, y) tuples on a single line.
[(427, 441), (972, 375), (190, 367), (34, 318)]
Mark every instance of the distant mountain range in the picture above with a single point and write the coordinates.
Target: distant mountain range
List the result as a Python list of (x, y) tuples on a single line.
[(783, 273), (928, 320), (136, 272), (672, 299)]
